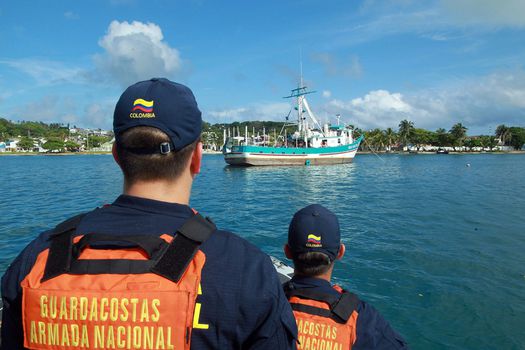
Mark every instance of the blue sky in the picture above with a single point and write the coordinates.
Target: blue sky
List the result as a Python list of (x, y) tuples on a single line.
[(374, 62)]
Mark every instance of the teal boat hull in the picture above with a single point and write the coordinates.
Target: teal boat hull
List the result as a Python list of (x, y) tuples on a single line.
[(258, 156)]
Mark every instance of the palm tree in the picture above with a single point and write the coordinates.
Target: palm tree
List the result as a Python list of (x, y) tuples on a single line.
[(406, 130), (390, 138), (458, 133), (503, 133), (374, 139), (442, 137)]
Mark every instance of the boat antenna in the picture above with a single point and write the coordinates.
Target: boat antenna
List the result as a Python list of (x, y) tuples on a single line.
[(301, 66)]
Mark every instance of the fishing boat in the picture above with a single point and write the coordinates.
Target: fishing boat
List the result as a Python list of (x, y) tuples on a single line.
[(309, 144)]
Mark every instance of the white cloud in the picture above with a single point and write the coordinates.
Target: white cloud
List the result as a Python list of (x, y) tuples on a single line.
[(136, 51), (327, 94), (48, 109), (71, 15), (275, 111), (99, 115), (486, 12), (46, 72), (477, 103), (378, 108), (234, 113), (419, 22), (66, 109), (349, 67), (437, 20)]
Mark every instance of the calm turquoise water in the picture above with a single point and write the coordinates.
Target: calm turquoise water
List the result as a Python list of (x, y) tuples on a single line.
[(436, 246)]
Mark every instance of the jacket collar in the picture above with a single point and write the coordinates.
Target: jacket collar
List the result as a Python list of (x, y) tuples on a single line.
[(154, 206)]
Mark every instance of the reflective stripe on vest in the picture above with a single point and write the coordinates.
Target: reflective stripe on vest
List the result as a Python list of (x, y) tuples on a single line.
[(115, 292), (324, 321)]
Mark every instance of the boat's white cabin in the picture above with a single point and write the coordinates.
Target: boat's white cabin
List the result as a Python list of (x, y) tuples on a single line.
[(332, 136)]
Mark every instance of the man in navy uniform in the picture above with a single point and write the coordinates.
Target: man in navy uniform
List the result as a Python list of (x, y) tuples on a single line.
[(328, 316), (239, 303)]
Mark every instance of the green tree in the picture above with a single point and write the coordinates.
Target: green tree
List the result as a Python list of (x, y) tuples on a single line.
[(421, 137), (54, 144), (96, 141), (406, 130), (26, 143), (375, 139), (458, 132), (3, 130), (442, 138), (504, 134), (518, 137), (390, 138), (488, 141), (71, 146), (471, 142)]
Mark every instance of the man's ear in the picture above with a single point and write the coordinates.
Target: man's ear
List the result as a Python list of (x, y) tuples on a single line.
[(341, 252), (287, 251), (114, 152), (196, 159)]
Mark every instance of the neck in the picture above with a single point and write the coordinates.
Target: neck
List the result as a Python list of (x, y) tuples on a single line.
[(327, 276), (174, 191)]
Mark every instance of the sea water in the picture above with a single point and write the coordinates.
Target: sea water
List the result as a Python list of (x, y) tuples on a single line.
[(435, 242)]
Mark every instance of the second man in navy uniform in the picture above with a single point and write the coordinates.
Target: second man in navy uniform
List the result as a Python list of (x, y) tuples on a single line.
[(328, 317)]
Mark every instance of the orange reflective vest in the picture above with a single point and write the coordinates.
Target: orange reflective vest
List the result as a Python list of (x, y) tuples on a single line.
[(99, 291), (324, 321)]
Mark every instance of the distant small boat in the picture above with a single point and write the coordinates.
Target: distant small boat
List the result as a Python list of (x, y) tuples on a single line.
[(441, 151)]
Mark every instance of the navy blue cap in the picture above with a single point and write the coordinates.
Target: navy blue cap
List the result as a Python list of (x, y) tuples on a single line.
[(314, 229), (163, 104)]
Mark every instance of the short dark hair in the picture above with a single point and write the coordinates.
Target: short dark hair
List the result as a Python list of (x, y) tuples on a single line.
[(149, 167), (311, 264)]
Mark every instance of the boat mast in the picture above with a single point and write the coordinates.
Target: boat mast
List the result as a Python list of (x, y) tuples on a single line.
[(302, 122), (300, 102)]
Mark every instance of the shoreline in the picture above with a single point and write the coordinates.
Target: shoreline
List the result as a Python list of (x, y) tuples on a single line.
[(449, 153), (8, 154)]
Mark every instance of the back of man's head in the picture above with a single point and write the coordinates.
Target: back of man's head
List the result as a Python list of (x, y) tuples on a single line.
[(314, 240), (157, 125)]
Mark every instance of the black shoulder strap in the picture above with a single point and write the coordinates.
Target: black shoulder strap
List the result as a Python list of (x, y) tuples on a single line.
[(340, 307), (170, 263), (175, 259), (346, 305), (148, 243), (59, 258)]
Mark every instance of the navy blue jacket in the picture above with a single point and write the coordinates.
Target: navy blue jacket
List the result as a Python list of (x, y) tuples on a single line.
[(372, 330), (242, 299)]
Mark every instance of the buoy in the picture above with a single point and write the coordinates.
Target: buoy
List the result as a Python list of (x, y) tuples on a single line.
[(307, 162), (468, 165)]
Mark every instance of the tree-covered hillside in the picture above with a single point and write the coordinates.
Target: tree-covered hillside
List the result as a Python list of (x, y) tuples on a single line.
[(9, 129)]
